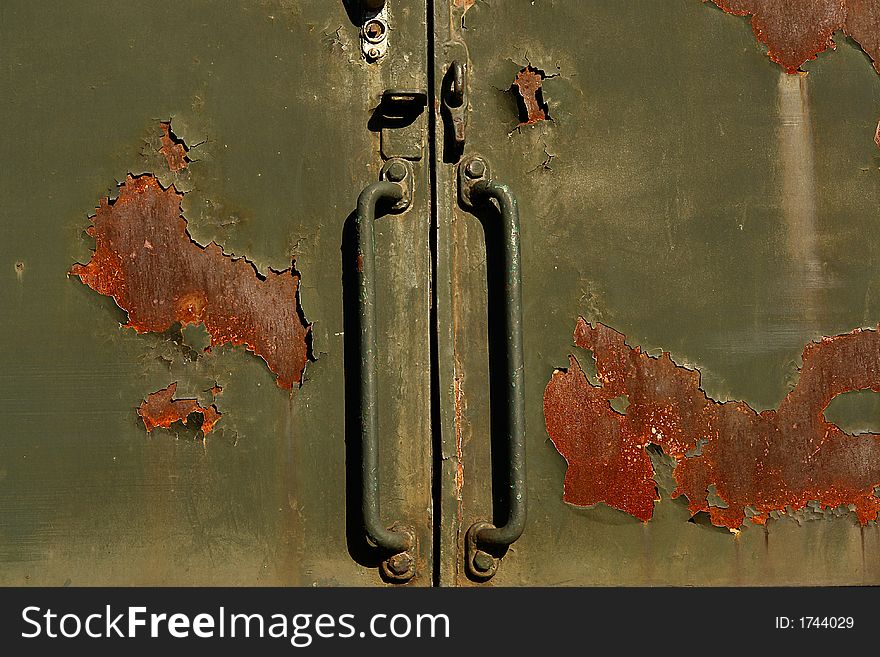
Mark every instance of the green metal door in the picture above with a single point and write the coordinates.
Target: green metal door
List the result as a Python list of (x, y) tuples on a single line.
[(253, 123), (697, 226), (289, 284)]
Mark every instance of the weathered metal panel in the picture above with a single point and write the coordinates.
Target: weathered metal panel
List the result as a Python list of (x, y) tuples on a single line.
[(729, 460), (250, 121), (145, 259), (693, 196), (796, 32)]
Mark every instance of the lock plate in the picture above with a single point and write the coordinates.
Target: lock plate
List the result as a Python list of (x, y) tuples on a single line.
[(401, 115)]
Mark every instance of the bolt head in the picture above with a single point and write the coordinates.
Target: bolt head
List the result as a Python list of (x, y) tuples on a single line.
[(483, 561), (373, 53), (400, 564), (474, 169), (396, 171)]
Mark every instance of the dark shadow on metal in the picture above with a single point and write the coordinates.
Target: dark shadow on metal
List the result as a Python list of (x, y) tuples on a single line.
[(499, 362), (399, 108), (436, 417), (355, 11)]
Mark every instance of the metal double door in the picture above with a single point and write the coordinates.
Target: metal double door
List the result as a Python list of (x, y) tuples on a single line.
[(402, 251)]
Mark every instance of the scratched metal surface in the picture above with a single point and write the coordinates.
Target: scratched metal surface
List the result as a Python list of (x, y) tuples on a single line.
[(273, 100), (693, 196)]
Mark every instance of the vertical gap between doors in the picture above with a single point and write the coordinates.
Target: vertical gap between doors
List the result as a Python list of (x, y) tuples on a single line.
[(436, 433)]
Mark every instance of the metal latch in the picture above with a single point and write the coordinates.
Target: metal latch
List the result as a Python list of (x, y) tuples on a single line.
[(401, 118), (454, 109)]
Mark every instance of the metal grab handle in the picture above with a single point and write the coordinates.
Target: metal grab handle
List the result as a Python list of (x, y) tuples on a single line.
[(484, 538), (398, 542)]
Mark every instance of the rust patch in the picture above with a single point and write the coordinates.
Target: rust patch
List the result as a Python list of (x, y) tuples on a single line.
[(145, 259), (795, 32), (173, 148), (459, 441), (528, 83), (160, 409), (770, 461), (464, 5)]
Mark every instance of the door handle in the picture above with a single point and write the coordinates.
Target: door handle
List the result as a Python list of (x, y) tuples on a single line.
[(484, 542), (396, 542)]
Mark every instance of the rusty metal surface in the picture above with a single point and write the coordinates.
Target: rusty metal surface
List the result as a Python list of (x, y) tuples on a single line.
[(160, 409), (776, 460), (464, 5), (796, 31), (247, 86), (528, 85), (695, 197), (146, 260), (173, 148)]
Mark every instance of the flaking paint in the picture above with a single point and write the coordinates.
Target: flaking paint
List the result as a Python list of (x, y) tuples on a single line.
[(173, 148), (145, 259), (528, 83), (795, 32), (160, 409), (755, 463)]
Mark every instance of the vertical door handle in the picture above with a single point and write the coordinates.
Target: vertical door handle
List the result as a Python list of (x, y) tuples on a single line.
[(484, 542), (396, 542)]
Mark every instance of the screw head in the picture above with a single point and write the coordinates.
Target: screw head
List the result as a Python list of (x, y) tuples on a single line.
[(400, 564), (483, 561), (474, 169), (396, 171)]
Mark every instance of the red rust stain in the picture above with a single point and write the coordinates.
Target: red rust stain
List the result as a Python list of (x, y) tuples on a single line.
[(173, 148), (795, 31), (768, 461), (145, 259), (459, 441), (528, 84), (159, 409), (464, 4)]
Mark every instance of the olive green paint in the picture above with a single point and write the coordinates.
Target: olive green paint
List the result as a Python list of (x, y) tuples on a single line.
[(678, 197), (686, 192), (855, 412), (273, 99)]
